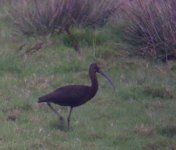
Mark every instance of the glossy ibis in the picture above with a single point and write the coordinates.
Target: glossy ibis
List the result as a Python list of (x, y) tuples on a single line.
[(74, 95)]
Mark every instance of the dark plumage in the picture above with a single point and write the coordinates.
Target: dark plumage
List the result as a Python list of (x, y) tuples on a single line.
[(74, 95)]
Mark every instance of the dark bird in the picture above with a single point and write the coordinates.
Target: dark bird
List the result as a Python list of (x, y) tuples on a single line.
[(74, 95)]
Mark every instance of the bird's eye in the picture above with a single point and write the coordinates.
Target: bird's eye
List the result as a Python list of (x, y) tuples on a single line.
[(96, 69)]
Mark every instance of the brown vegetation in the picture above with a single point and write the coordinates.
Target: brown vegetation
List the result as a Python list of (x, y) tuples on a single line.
[(152, 28)]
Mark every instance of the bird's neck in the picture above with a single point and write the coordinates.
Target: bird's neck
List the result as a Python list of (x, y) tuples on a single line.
[(94, 84)]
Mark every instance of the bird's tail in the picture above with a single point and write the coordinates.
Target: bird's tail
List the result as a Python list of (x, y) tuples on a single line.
[(41, 99)]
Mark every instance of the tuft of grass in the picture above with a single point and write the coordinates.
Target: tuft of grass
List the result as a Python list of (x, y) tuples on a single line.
[(87, 37), (158, 145), (144, 130), (158, 92), (169, 131), (10, 65)]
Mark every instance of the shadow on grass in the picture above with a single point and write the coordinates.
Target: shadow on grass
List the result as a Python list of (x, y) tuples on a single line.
[(36, 147), (168, 131), (58, 125), (121, 139), (158, 145)]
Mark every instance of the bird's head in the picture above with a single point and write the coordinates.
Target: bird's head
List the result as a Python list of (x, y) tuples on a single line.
[(95, 68)]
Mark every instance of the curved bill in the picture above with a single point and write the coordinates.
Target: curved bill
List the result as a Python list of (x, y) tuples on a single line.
[(107, 77)]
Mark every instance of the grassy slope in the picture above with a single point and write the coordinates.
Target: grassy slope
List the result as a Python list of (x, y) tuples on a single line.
[(139, 116)]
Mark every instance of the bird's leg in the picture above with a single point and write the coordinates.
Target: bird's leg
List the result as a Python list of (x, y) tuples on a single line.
[(68, 119), (55, 111)]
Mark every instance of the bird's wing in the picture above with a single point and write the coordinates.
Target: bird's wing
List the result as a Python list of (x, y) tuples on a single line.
[(71, 92), (66, 95)]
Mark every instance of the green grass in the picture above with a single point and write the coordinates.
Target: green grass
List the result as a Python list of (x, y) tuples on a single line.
[(141, 115)]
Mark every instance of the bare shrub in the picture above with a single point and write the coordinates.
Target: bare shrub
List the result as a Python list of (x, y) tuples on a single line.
[(152, 28), (47, 16), (37, 16), (94, 12)]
